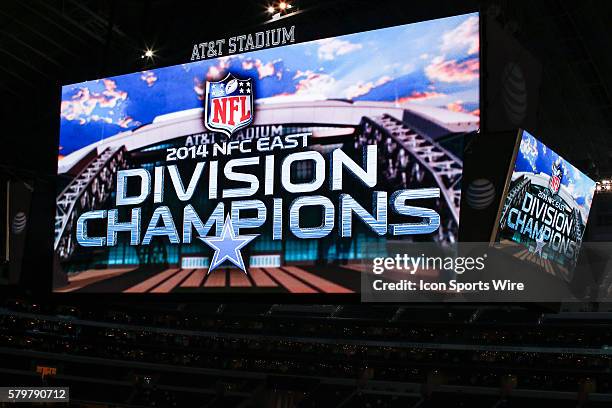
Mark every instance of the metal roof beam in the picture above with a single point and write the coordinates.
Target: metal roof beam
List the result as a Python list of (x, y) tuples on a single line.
[(33, 49), (66, 17), (39, 34), (97, 17)]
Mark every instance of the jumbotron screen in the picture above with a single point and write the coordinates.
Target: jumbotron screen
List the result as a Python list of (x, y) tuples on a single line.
[(272, 171), (545, 210)]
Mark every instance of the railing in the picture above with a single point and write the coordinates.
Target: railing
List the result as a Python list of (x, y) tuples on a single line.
[(420, 154), (87, 191)]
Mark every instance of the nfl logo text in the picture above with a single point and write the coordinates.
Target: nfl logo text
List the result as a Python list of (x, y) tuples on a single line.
[(229, 104), (554, 183)]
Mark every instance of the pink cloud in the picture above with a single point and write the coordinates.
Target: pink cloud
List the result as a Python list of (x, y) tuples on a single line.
[(310, 86), (456, 106), (362, 88), (149, 77), (263, 70), (299, 74), (86, 106), (420, 96), (330, 48), (466, 35), (198, 87), (216, 71), (314, 83), (453, 71)]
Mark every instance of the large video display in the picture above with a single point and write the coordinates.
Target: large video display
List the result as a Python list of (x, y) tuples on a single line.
[(546, 208), (269, 171)]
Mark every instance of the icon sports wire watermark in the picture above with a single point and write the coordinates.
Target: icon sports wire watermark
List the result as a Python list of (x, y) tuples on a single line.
[(403, 271)]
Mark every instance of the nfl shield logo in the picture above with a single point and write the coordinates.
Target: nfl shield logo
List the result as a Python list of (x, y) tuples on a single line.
[(554, 183), (229, 104)]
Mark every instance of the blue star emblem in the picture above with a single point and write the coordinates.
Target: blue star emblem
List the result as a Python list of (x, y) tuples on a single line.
[(227, 246)]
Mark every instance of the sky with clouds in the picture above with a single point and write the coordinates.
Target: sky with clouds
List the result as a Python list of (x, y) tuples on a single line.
[(433, 62)]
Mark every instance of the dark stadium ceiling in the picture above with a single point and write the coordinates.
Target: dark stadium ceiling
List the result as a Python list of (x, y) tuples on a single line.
[(47, 43)]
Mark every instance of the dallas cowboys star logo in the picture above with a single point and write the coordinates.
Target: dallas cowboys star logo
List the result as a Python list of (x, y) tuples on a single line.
[(227, 246)]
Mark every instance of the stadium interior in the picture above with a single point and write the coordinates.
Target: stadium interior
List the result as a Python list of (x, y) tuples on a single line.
[(142, 351)]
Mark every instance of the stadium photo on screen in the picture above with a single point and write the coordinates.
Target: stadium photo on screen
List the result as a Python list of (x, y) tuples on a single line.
[(546, 207), (169, 130), (306, 204)]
